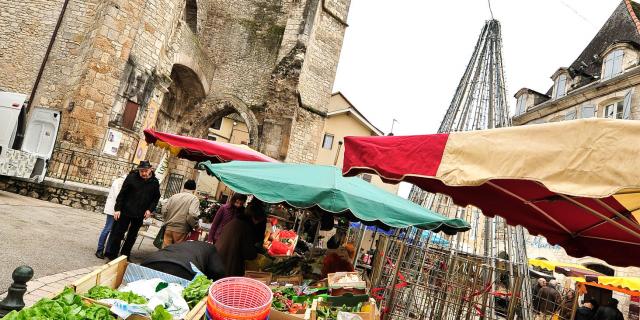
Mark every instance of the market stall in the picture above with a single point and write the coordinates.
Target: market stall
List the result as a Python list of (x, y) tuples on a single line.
[(195, 149), (575, 182), (323, 188)]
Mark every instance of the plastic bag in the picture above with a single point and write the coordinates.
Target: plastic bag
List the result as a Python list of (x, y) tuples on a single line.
[(348, 316)]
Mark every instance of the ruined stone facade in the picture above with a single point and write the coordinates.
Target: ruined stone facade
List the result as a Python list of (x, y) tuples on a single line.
[(177, 65)]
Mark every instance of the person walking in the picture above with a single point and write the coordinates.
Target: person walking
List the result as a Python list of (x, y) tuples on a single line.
[(225, 214), (609, 311), (180, 214), (548, 300), (116, 185), (137, 199)]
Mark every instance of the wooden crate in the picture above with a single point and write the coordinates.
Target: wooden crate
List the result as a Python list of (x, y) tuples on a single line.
[(279, 315), (295, 280), (373, 314), (264, 277), (111, 275)]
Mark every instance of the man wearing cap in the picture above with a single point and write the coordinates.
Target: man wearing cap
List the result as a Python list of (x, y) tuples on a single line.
[(137, 199), (180, 214)]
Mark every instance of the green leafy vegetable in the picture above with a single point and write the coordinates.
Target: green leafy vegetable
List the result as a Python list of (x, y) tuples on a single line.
[(67, 305), (196, 290), (159, 313), (102, 292)]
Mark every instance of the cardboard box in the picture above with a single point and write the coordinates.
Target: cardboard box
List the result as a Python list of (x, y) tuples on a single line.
[(371, 315)]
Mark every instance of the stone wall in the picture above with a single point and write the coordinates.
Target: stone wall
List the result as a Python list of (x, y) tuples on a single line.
[(76, 197), (323, 54), (273, 62), (26, 30)]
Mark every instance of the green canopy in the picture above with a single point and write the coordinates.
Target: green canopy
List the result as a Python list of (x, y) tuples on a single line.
[(305, 186)]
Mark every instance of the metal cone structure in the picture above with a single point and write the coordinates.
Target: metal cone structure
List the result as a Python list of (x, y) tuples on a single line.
[(493, 249)]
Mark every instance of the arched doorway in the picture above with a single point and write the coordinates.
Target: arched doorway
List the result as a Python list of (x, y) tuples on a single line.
[(214, 113), (223, 119), (601, 295), (182, 98)]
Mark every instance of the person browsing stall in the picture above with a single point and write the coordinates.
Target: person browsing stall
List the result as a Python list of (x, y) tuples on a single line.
[(180, 214), (136, 201), (225, 214)]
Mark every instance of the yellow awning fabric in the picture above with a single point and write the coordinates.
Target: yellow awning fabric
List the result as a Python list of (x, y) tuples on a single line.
[(551, 265), (626, 285)]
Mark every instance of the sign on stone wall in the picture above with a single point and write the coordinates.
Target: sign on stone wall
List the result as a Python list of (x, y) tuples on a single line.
[(149, 122), (112, 143), (163, 167)]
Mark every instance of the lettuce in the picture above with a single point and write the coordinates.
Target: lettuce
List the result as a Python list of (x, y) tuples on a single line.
[(67, 305)]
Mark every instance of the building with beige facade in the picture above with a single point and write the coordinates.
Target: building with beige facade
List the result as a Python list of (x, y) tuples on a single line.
[(604, 82), (343, 119)]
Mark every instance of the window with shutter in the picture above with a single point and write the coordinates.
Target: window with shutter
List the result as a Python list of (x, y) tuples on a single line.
[(588, 111), (570, 115), (612, 64), (561, 83), (521, 105), (626, 110), (130, 114)]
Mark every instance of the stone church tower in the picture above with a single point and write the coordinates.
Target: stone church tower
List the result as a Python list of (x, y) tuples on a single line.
[(120, 66)]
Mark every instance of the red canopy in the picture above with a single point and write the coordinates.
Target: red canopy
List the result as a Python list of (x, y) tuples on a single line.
[(201, 150), (576, 183)]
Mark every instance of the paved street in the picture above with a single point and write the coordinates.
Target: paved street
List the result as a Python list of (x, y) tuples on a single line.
[(52, 239)]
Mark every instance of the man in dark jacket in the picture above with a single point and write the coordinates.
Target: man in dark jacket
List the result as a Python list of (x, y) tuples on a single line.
[(548, 300), (137, 199), (176, 260), (609, 312)]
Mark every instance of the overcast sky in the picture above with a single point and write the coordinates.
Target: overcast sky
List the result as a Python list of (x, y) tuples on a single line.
[(403, 59)]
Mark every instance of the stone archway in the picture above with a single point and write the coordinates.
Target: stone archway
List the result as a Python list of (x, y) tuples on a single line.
[(217, 107)]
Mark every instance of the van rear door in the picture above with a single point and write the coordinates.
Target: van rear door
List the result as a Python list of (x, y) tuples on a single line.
[(42, 129)]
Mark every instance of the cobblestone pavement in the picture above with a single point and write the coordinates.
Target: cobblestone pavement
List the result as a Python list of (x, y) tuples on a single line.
[(58, 242)]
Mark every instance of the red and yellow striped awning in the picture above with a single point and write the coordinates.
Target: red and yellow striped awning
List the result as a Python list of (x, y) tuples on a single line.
[(195, 149), (575, 182)]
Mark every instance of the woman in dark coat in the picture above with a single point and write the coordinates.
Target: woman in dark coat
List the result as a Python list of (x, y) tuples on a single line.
[(236, 244)]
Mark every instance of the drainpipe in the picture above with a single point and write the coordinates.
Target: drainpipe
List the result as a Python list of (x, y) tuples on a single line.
[(335, 162), (46, 55)]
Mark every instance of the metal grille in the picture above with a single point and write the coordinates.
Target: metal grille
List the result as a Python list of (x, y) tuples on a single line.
[(81, 167), (433, 282), (174, 185)]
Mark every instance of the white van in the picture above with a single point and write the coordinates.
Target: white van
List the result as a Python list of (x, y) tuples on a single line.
[(26, 146)]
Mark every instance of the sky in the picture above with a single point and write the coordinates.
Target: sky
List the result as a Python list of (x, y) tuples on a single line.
[(403, 59)]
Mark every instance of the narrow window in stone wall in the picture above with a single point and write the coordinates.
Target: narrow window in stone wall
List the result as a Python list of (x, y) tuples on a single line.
[(561, 84), (129, 115), (191, 15), (612, 64), (366, 177), (327, 142)]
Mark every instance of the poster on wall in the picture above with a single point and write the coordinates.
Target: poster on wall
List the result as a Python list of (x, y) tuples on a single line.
[(149, 122), (163, 167), (112, 143)]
